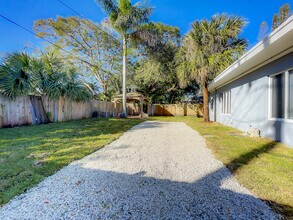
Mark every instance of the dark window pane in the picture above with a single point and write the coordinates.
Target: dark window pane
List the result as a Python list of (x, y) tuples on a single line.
[(278, 96), (290, 103)]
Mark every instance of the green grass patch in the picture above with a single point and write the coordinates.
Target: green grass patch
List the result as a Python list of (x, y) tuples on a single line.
[(29, 154), (264, 166)]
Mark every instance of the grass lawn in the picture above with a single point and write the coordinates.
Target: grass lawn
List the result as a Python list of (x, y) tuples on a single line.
[(262, 165), (29, 154)]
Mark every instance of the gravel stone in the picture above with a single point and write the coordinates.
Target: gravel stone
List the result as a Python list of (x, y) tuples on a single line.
[(156, 170)]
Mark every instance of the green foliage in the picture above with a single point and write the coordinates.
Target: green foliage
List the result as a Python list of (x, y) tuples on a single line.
[(209, 48), (275, 22), (17, 76), (22, 75), (155, 38), (92, 49), (124, 17), (57, 79), (49, 115), (52, 79), (155, 67), (284, 13)]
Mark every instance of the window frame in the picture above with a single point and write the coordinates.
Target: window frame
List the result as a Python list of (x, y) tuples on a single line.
[(286, 98), (226, 103)]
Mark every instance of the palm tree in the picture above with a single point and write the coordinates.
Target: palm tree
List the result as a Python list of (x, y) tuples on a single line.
[(209, 48), (16, 75), (22, 75), (125, 18), (57, 79)]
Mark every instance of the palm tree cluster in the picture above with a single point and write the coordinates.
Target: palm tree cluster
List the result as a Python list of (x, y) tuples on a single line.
[(22, 74)]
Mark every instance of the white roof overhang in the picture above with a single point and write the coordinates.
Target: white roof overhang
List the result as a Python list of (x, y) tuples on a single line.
[(276, 45)]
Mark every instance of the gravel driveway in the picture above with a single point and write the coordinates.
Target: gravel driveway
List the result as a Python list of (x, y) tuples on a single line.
[(155, 170)]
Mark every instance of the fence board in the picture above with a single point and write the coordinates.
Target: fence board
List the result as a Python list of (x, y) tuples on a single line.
[(176, 110)]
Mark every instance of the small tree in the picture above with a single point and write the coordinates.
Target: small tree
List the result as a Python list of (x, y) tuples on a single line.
[(209, 48), (125, 18), (275, 22), (284, 13)]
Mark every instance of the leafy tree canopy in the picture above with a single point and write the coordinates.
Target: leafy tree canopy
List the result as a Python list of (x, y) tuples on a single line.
[(92, 48), (155, 68)]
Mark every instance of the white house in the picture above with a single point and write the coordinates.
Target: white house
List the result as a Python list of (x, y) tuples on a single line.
[(257, 90)]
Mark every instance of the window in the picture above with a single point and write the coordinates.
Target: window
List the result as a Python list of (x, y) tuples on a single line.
[(282, 95), (278, 96), (226, 102)]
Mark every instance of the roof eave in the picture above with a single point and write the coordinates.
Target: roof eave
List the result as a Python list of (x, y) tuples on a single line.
[(277, 42)]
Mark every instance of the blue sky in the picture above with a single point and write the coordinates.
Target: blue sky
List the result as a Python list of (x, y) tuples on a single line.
[(177, 13)]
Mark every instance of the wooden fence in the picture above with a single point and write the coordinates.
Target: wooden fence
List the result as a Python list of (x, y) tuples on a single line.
[(27, 110), (177, 110)]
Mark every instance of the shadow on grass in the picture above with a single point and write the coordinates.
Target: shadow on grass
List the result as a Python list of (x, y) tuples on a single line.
[(244, 159)]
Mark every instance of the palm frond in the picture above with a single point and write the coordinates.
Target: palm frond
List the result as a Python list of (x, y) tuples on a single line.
[(124, 6), (22, 75), (140, 13), (108, 6), (210, 47), (124, 17), (16, 75)]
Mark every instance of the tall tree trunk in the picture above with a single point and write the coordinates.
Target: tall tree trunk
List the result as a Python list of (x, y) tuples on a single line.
[(124, 77), (205, 93)]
